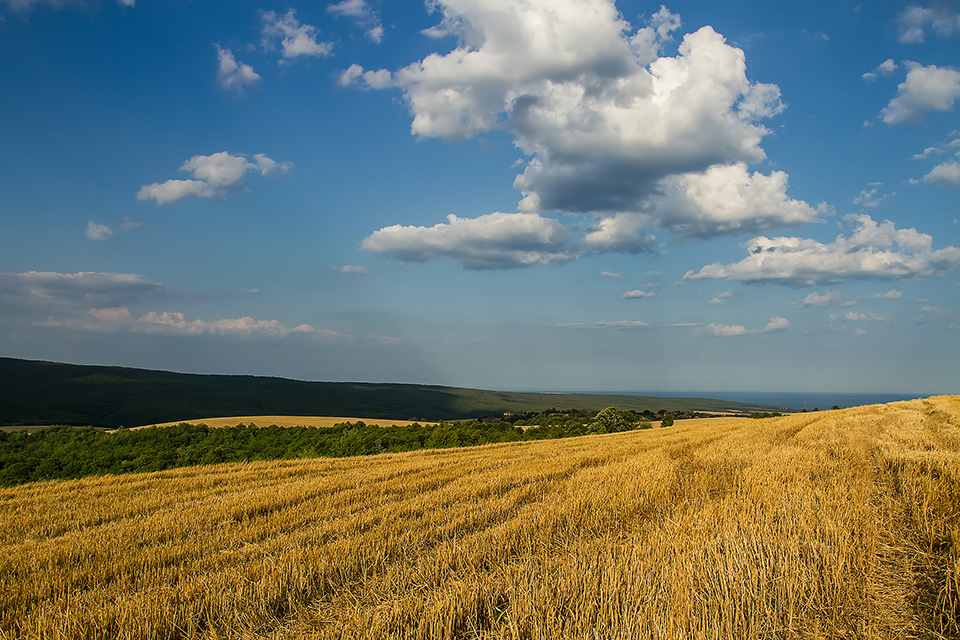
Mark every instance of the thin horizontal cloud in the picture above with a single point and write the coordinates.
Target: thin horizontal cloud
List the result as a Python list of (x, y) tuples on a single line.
[(116, 319), (492, 241), (85, 288), (893, 294), (604, 325), (726, 330), (855, 316)]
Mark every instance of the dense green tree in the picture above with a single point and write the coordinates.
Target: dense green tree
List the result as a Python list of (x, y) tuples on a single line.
[(613, 420)]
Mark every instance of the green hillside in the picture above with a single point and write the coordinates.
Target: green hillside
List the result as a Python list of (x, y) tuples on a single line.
[(36, 393)]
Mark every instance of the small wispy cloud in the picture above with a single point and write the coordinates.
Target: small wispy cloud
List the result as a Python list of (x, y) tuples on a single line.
[(883, 69), (817, 300), (295, 39), (105, 233), (363, 15), (352, 269), (893, 294), (233, 76), (723, 297)]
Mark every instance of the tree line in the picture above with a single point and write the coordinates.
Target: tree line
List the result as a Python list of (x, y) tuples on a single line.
[(73, 452)]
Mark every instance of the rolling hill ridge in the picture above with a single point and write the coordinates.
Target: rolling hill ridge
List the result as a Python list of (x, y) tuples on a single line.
[(35, 392)]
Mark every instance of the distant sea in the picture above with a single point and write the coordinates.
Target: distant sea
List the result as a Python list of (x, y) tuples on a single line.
[(785, 400)]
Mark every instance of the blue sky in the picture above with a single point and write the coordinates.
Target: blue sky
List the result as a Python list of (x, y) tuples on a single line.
[(523, 194)]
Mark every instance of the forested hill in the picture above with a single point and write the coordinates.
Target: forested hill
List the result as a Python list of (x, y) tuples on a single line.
[(41, 393)]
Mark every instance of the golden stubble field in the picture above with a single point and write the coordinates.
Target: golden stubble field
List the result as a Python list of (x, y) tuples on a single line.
[(840, 524)]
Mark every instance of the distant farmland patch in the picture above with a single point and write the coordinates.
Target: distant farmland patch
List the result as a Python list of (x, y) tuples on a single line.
[(286, 421)]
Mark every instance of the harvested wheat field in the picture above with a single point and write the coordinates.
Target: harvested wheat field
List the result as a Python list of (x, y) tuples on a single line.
[(822, 525)]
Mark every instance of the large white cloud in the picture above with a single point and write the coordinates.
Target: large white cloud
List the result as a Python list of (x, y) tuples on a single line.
[(215, 175), (875, 251), (608, 124), (295, 39), (929, 88), (492, 241), (85, 288)]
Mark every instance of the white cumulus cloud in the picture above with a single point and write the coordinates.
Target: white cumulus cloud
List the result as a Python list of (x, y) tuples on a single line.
[(872, 251), (215, 175), (727, 198), (946, 174), (929, 88)]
